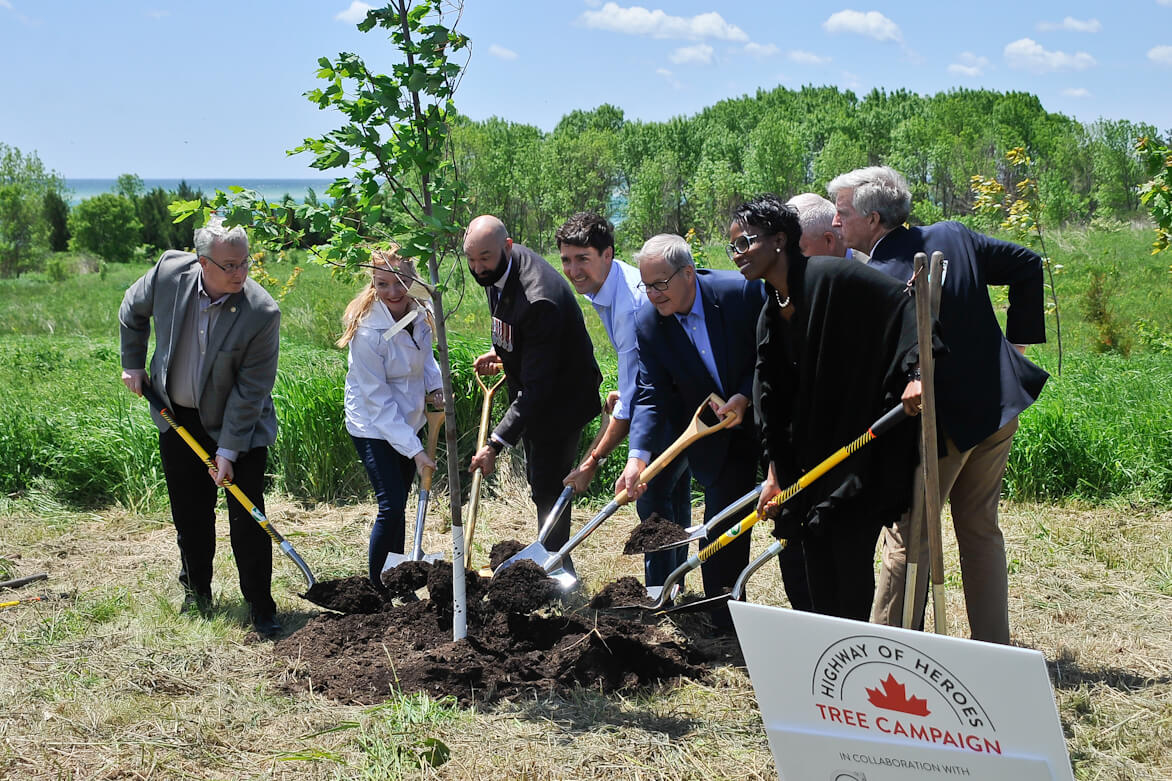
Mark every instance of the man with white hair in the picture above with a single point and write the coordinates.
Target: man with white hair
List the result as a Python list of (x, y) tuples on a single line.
[(698, 337), (215, 362), (819, 234), (982, 383)]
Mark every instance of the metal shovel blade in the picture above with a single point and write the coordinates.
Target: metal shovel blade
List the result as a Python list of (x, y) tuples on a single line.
[(536, 551), (737, 594), (701, 531)]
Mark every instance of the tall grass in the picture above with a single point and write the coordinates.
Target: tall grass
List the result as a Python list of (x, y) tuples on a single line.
[(1098, 432)]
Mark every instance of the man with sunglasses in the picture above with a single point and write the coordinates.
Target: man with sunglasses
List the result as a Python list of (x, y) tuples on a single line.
[(214, 364), (697, 337)]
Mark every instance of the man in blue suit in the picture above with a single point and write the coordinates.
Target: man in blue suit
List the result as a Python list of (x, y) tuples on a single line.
[(982, 383), (698, 338)]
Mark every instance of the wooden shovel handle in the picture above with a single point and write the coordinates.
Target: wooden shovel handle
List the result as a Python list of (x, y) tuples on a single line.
[(434, 421), (695, 430)]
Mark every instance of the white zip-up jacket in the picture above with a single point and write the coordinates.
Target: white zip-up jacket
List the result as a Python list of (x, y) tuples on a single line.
[(391, 371)]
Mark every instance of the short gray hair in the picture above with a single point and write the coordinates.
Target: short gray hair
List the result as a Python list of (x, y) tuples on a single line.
[(877, 188), (815, 213), (207, 236), (669, 246)]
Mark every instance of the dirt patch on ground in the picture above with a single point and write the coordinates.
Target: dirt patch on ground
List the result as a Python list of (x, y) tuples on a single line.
[(518, 643), (654, 532)]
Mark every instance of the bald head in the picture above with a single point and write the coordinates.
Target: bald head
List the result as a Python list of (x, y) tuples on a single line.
[(487, 244), (819, 236)]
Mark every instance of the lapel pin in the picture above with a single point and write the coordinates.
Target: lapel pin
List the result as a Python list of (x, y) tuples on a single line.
[(232, 309)]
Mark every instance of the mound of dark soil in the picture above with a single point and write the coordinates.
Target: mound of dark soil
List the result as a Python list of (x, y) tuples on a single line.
[(355, 594), (653, 532), (363, 658), (522, 587), (406, 579), (624, 591), (502, 551)]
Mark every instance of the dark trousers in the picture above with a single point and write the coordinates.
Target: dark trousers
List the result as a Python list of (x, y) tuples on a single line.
[(390, 475), (840, 567), (547, 462), (719, 573), (670, 495), (193, 497)]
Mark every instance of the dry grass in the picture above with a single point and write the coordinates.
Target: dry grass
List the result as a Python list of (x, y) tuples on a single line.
[(110, 682)]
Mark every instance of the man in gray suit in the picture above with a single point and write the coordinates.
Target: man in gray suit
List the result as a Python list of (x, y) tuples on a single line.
[(215, 362)]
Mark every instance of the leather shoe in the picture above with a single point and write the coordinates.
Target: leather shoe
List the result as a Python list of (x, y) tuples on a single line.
[(266, 625), (194, 602)]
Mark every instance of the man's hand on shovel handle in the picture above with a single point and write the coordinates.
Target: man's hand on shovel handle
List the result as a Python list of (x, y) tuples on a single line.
[(487, 364), (484, 460), (912, 399), (629, 479), (133, 380)]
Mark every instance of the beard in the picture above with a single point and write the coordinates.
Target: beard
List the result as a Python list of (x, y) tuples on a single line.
[(489, 278)]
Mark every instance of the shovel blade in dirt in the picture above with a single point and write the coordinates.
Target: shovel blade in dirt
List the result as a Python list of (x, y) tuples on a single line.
[(737, 594), (434, 421), (536, 551)]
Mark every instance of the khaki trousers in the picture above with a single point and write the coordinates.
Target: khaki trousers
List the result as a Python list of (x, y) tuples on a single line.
[(971, 481)]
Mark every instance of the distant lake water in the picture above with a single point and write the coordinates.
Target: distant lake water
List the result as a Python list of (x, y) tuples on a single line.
[(272, 189)]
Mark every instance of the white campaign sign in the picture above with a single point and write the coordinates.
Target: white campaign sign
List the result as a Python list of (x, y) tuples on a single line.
[(850, 701)]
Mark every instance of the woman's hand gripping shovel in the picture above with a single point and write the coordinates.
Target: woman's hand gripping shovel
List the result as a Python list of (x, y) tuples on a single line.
[(434, 421), (286, 547), (478, 476), (551, 561), (884, 424)]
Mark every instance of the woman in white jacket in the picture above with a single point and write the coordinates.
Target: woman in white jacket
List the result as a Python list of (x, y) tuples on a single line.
[(392, 374)]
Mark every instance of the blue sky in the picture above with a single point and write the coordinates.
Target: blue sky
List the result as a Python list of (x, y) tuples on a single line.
[(197, 90)]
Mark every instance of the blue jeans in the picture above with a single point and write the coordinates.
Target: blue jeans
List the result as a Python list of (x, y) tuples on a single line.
[(390, 475)]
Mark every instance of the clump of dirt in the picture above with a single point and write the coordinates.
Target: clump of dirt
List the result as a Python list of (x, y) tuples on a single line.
[(406, 578), (521, 588), (364, 658), (439, 587), (654, 532), (355, 594), (624, 591), (503, 551)]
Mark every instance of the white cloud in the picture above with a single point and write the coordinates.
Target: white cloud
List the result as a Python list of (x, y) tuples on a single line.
[(502, 52), (1076, 92), (5, 4), (871, 24), (700, 54), (1028, 54), (1073, 25), (761, 49), (671, 79), (637, 20), (969, 65), (355, 13), (1161, 55), (1164, 2), (806, 58)]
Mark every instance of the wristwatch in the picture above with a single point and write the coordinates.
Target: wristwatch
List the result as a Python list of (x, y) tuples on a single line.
[(496, 446)]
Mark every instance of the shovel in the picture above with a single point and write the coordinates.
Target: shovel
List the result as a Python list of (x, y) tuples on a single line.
[(286, 547), (701, 531), (884, 424), (434, 421), (478, 476), (551, 561)]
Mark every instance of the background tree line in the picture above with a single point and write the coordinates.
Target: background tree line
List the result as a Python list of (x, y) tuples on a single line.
[(649, 177), (688, 172)]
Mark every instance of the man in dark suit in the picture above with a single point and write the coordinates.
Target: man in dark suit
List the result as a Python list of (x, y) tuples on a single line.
[(540, 339), (215, 362), (982, 383), (697, 338)]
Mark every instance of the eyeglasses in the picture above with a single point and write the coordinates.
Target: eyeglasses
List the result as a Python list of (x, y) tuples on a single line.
[(740, 245), (661, 285), (231, 268)]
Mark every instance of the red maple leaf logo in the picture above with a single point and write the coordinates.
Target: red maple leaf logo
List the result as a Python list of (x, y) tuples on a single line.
[(894, 697)]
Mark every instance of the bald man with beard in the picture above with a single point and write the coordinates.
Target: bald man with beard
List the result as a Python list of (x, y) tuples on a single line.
[(539, 338)]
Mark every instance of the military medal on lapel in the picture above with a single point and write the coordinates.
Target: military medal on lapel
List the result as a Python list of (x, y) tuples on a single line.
[(502, 334)]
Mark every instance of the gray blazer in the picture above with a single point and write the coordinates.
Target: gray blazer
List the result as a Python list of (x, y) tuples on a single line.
[(235, 386)]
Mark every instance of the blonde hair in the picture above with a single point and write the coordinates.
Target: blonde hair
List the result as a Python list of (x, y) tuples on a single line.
[(382, 259)]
